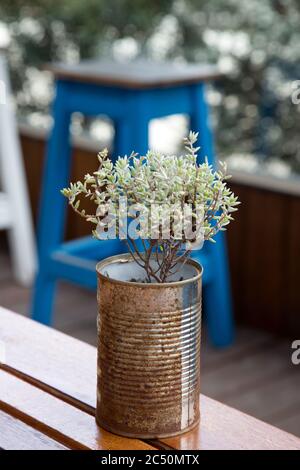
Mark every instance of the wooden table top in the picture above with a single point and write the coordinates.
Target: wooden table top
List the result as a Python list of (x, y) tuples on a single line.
[(139, 74), (48, 396)]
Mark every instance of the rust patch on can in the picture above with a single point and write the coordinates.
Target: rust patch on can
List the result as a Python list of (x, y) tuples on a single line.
[(148, 355)]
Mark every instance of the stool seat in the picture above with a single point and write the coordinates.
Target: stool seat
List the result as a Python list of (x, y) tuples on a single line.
[(131, 95), (138, 74)]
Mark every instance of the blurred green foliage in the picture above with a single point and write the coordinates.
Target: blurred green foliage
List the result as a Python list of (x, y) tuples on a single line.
[(255, 41)]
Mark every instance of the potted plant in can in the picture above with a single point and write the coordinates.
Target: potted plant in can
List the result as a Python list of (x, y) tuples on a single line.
[(149, 322)]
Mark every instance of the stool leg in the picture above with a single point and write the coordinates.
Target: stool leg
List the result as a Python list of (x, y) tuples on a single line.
[(132, 132), (122, 139), (217, 294), (52, 210), (140, 134), (43, 298)]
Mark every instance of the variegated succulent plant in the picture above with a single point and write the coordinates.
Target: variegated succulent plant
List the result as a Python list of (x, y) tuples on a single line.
[(163, 206)]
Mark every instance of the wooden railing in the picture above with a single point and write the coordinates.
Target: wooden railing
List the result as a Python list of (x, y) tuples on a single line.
[(264, 243)]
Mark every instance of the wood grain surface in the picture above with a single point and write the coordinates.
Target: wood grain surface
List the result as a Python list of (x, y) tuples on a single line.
[(57, 419), (16, 435), (47, 357), (224, 428), (63, 367)]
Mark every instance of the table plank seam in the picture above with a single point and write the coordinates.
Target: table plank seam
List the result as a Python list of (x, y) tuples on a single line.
[(77, 404), (63, 368), (49, 389), (47, 430), (57, 419), (158, 444), (20, 436), (69, 400)]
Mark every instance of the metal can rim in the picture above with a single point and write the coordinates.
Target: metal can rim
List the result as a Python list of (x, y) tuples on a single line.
[(127, 257)]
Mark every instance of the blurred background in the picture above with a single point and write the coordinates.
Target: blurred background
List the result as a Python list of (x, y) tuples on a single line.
[(255, 43), (256, 120)]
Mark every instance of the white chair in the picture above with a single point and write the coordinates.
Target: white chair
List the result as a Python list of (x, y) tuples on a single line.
[(15, 215)]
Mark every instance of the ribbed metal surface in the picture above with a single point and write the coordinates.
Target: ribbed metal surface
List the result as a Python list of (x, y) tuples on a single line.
[(148, 357)]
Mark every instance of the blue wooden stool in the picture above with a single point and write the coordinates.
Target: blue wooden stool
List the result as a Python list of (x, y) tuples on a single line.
[(131, 95)]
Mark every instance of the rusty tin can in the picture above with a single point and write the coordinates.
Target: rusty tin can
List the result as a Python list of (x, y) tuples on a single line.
[(148, 353)]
